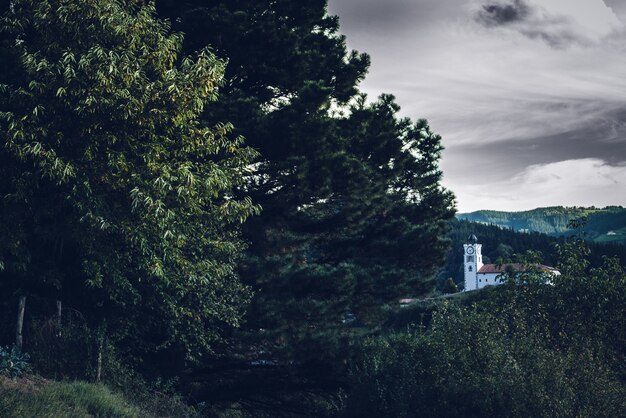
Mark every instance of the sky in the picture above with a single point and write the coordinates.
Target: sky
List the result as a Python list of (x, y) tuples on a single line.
[(529, 96)]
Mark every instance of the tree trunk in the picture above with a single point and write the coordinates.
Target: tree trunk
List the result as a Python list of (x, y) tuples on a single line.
[(59, 312), (99, 360), (20, 323)]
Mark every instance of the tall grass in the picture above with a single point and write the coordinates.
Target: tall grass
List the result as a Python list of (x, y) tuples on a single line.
[(64, 399)]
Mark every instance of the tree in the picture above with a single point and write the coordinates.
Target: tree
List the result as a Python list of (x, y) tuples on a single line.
[(353, 213), (116, 197), (450, 286)]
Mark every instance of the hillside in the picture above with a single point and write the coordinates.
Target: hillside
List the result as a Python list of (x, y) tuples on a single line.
[(606, 225)]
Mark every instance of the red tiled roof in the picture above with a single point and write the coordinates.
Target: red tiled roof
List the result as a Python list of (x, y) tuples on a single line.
[(493, 268)]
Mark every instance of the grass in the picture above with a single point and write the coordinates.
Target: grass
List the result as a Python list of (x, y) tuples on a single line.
[(47, 399), (619, 237)]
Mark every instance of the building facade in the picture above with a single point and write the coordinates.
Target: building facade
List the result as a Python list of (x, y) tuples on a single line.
[(478, 275)]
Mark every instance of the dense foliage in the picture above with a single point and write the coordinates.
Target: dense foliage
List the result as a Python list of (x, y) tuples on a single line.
[(122, 191), (350, 192), (13, 363), (116, 199), (527, 349)]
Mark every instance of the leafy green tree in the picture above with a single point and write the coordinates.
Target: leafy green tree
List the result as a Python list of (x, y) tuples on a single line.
[(116, 198), (588, 303)]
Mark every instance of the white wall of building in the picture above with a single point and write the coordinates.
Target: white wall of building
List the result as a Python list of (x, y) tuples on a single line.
[(487, 279), (472, 262)]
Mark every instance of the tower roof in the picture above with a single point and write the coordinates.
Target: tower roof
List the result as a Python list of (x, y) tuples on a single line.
[(472, 239)]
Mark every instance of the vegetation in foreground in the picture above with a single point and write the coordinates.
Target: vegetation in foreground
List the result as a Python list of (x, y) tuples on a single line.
[(521, 349), (30, 397)]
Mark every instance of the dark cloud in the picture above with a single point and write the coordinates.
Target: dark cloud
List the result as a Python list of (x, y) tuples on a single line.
[(556, 39), (496, 14), (530, 21), (618, 7)]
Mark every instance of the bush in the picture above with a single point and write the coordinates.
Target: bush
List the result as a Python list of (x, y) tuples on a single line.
[(473, 364), (13, 363)]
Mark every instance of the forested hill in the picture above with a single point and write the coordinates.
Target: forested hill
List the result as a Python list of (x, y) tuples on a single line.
[(603, 225)]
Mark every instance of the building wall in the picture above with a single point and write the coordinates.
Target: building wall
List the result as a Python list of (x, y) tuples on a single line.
[(487, 279), (472, 262)]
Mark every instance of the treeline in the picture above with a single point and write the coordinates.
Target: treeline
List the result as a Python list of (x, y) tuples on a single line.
[(603, 225)]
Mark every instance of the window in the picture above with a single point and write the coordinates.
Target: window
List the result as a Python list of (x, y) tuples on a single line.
[(470, 258), (469, 268)]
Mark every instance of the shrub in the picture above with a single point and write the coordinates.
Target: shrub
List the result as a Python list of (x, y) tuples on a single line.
[(13, 363), (474, 364)]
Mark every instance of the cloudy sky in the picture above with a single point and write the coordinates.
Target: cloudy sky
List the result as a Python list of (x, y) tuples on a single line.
[(528, 95)]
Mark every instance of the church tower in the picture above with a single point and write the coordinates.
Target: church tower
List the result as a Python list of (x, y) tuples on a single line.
[(472, 262)]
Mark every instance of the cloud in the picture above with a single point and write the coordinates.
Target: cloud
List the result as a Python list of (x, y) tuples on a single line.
[(474, 163), (495, 14), (532, 21), (618, 7), (489, 90), (584, 182)]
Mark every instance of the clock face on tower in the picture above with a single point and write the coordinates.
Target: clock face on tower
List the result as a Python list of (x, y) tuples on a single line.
[(470, 250)]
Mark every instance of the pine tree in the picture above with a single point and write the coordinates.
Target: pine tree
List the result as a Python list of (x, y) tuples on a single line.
[(353, 213)]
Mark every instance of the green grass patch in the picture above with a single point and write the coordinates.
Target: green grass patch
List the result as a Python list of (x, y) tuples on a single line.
[(63, 399), (618, 236)]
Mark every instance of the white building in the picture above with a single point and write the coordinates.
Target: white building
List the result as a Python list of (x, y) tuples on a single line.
[(478, 275)]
